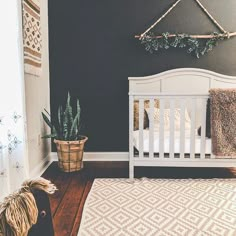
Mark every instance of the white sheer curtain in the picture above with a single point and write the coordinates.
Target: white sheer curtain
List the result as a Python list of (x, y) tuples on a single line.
[(13, 164)]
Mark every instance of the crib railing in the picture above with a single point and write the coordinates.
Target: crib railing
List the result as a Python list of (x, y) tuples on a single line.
[(195, 106)]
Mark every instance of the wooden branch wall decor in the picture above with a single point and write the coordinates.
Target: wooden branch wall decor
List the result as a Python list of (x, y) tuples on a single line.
[(196, 44)]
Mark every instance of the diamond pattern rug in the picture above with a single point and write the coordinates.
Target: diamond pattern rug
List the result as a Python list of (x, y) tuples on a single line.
[(160, 207)]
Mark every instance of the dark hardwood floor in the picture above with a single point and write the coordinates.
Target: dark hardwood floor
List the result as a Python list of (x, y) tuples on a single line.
[(67, 203)]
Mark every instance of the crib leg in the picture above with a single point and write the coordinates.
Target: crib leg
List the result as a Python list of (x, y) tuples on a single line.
[(131, 170)]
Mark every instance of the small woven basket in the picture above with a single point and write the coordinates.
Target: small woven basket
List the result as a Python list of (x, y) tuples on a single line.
[(70, 154)]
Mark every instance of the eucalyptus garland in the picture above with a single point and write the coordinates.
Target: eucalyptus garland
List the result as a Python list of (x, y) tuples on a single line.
[(196, 46)]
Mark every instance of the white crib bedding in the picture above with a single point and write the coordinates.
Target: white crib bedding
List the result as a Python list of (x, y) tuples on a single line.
[(167, 142)]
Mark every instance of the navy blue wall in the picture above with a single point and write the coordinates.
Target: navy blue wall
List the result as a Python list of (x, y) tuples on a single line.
[(93, 51)]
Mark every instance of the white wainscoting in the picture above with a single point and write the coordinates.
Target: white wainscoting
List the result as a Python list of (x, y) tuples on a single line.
[(99, 156), (88, 156), (41, 167)]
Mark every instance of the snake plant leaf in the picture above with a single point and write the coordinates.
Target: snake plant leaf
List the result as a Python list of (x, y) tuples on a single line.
[(66, 119), (47, 112), (59, 116), (70, 114), (65, 125), (60, 122), (49, 136), (78, 110), (46, 119), (68, 110), (52, 135), (68, 99), (74, 126), (54, 131)]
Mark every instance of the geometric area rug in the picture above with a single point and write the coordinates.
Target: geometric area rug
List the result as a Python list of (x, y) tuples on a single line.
[(160, 207)]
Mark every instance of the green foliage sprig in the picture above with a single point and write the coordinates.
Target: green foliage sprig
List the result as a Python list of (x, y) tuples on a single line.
[(198, 47), (67, 125)]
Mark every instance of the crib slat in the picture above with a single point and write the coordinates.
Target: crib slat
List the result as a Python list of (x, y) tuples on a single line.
[(193, 120), (212, 156), (172, 128), (182, 128), (131, 132), (161, 130), (141, 114), (203, 128), (151, 128)]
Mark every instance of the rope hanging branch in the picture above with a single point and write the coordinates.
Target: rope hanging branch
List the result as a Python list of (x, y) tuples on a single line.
[(197, 44)]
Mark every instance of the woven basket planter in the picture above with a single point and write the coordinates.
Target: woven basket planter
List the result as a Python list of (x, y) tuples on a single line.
[(70, 154)]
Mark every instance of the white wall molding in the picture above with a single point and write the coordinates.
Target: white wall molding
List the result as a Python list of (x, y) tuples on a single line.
[(99, 156), (41, 167), (88, 156)]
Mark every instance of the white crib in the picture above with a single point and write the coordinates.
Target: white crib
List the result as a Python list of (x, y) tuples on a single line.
[(178, 92)]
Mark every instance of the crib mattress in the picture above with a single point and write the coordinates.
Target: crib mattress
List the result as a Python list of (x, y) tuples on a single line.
[(167, 142)]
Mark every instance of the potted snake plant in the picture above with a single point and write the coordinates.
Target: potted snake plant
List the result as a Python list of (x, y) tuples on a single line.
[(65, 131)]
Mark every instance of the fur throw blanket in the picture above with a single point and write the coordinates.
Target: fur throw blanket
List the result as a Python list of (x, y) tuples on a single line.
[(18, 211), (223, 122)]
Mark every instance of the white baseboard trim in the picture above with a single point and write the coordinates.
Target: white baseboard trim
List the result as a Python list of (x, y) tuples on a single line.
[(99, 156), (41, 167)]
